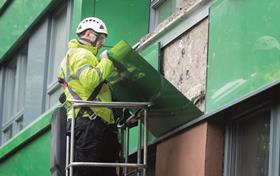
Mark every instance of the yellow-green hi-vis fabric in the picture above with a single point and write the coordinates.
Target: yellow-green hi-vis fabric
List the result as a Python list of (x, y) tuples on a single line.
[(83, 72)]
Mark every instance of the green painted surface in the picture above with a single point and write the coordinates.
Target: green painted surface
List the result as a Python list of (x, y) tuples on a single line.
[(33, 129), (76, 17), (81, 10), (18, 16), (137, 81), (125, 19), (2, 2), (88, 7), (150, 54), (133, 137), (244, 49), (32, 159)]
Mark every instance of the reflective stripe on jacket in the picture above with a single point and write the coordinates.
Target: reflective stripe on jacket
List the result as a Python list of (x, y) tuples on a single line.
[(83, 72)]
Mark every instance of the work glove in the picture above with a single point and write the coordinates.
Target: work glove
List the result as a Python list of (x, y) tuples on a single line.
[(104, 54)]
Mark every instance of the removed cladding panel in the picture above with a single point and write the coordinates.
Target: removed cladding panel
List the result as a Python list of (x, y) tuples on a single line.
[(136, 80)]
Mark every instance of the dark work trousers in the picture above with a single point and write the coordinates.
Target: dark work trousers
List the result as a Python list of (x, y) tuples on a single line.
[(95, 141)]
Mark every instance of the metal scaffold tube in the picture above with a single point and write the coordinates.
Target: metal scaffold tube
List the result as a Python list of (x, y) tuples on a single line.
[(72, 141), (67, 154), (122, 148), (107, 164), (139, 145), (139, 105), (126, 149), (145, 141)]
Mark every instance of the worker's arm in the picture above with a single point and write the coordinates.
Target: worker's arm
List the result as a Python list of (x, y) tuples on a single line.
[(90, 76)]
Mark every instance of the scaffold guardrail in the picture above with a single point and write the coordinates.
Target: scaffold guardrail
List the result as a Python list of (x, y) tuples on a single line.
[(141, 120)]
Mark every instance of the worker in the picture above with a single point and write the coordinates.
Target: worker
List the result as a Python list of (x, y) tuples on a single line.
[(83, 75)]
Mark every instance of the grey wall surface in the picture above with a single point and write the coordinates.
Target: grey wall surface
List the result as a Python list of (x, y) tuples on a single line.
[(185, 60), (58, 143)]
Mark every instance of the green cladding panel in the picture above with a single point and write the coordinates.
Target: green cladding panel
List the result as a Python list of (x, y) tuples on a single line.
[(137, 81), (28, 153), (80, 10), (150, 54), (33, 159), (125, 19), (244, 49), (16, 18), (2, 2)]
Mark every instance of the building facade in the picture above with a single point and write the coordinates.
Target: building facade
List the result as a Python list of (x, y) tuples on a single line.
[(222, 55)]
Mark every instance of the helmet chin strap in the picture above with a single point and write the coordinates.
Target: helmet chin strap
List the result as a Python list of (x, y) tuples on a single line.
[(93, 43)]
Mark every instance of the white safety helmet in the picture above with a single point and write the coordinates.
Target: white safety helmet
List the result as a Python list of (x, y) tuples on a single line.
[(93, 23)]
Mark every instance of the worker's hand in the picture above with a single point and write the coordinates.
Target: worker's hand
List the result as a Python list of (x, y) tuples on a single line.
[(104, 54)]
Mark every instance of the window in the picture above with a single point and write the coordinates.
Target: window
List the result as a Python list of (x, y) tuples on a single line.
[(162, 9), (13, 79), (248, 147), (165, 10), (28, 79), (57, 50), (252, 145)]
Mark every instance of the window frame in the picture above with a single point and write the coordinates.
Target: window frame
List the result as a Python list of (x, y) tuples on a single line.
[(154, 11), (230, 164), (1, 97), (51, 48), (155, 4), (19, 61), (52, 86), (20, 118)]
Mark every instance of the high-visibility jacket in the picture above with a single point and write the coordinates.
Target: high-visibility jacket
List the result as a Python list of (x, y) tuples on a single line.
[(83, 72)]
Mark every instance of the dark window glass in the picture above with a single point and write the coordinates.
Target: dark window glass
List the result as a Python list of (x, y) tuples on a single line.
[(252, 145)]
